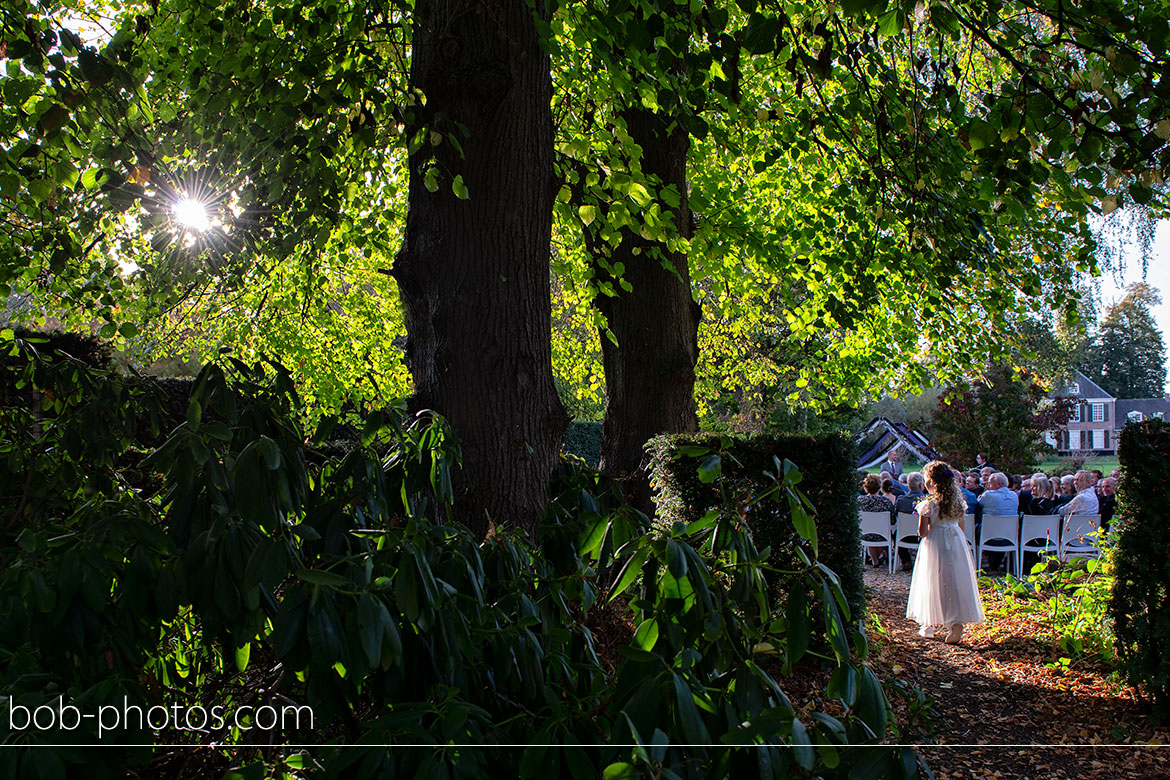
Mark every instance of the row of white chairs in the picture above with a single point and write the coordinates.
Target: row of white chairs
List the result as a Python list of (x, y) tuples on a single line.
[(1067, 538)]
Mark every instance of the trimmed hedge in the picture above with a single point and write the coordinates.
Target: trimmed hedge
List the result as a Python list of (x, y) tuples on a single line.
[(583, 439), (827, 465), (1140, 603)]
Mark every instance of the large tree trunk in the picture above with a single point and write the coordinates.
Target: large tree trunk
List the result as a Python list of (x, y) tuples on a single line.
[(474, 274), (650, 372)]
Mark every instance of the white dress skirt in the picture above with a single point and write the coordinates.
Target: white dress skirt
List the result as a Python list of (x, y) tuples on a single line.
[(943, 590)]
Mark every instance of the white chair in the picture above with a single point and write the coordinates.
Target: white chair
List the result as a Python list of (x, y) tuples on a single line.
[(969, 531), (906, 532), (877, 523), (1075, 539), (999, 533), (1038, 534)]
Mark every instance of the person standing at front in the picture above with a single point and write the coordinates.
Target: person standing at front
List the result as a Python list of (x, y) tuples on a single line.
[(943, 591)]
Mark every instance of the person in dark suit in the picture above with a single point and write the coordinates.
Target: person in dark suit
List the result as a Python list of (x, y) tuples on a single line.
[(891, 465), (1107, 500), (909, 504), (981, 461)]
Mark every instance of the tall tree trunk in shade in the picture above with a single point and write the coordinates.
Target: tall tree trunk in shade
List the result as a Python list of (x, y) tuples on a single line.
[(474, 273), (650, 372)]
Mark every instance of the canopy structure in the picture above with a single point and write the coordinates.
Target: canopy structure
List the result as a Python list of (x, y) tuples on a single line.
[(891, 435)]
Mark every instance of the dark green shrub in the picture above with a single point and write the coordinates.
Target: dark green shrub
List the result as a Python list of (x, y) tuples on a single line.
[(583, 439), (694, 473), (254, 570), (1140, 604)]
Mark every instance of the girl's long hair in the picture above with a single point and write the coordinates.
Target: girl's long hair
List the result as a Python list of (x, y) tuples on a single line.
[(950, 501)]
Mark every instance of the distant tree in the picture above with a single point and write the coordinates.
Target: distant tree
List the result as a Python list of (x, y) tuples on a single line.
[(917, 410), (1005, 415), (1128, 357)]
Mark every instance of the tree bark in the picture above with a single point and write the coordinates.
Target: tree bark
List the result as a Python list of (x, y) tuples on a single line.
[(650, 372), (474, 274)]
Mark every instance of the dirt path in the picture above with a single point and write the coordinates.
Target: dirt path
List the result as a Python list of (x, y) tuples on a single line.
[(995, 689)]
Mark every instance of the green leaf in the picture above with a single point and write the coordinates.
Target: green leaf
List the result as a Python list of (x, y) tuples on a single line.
[(620, 771), (801, 745), (693, 450), (871, 703), (710, 468), (194, 414), (804, 523), (799, 623), (459, 188), (325, 579), (630, 572), (676, 559), (639, 194), (271, 452), (759, 37), (369, 620), (693, 727), (243, 654), (594, 535), (587, 215), (647, 635), (891, 22), (532, 760)]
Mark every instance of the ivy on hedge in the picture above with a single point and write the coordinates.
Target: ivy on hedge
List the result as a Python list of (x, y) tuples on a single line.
[(694, 473), (1140, 603), (583, 439)]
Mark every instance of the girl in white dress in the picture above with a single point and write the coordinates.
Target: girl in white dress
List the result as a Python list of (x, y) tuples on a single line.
[(943, 591)]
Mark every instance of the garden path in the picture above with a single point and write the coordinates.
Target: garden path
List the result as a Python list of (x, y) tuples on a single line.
[(998, 689)]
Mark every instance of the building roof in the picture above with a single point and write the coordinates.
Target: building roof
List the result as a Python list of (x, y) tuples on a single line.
[(1088, 388), (1147, 406)]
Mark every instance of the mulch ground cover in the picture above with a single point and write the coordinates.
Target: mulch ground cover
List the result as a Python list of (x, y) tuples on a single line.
[(1002, 708)]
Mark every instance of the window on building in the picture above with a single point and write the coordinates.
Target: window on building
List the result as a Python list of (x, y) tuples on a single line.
[(1076, 388), (1098, 413), (1136, 416), (1076, 413), (1098, 438), (1157, 414)]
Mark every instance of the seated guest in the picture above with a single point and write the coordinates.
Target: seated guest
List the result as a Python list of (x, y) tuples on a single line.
[(888, 490), (917, 492), (899, 486), (1107, 500), (971, 499), (1085, 501), (973, 485), (1040, 502), (908, 503), (1015, 484), (872, 501), (998, 499), (985, 474), (1097, 475), (1066, 490), (1025, 494)]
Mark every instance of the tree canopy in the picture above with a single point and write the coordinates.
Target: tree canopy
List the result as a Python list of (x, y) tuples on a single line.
[(860, 197), (1128, 355)]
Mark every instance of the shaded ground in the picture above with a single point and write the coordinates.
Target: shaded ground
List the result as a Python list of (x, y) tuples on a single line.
[(996, 690)]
